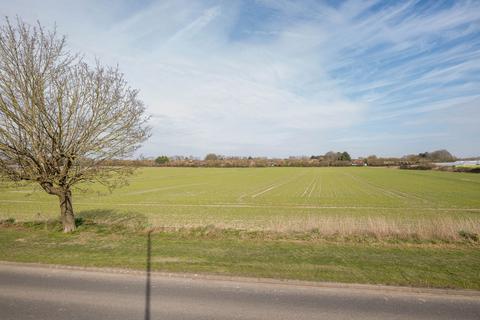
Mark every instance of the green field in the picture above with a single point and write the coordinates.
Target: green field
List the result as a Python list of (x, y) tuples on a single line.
[(332, 200)]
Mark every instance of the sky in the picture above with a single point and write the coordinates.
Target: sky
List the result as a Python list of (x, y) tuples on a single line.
[(281, 78)]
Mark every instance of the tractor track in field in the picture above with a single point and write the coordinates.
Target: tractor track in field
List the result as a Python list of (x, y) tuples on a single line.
[(312, 189), (239, 205), (270, 187), (165, 188), (383, 191), (388, 192), (307, 189)]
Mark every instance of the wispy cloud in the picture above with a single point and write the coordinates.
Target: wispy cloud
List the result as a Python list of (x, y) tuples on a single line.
[(287, 77)]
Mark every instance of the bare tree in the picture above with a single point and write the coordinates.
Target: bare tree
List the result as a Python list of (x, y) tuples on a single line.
[(61, 120)]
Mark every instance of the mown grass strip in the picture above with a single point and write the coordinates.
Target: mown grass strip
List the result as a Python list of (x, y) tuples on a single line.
[(444, 265)]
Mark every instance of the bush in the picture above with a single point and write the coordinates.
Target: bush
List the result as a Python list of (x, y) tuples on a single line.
[(162, 160), (468, 235), (422, 166), (211, 157), (8, 221)]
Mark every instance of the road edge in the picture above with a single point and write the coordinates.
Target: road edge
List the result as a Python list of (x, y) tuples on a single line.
[(271, 281)]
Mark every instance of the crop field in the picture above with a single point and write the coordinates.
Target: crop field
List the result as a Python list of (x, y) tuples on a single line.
[(330, 200)]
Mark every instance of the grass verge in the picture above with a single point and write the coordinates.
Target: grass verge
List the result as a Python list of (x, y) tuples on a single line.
[(256, 254)]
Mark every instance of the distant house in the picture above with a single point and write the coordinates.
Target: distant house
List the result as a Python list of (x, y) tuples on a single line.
[(358, 163)]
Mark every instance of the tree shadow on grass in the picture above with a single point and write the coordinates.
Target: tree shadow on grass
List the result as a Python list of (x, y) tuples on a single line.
[(109, 217)]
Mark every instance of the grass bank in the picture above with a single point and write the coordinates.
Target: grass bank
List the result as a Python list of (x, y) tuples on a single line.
[(301, 256)]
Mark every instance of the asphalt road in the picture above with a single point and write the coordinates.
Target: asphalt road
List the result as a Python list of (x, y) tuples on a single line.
[(33, 292)]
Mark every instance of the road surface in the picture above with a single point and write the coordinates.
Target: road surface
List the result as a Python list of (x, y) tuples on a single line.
[(35, 292)]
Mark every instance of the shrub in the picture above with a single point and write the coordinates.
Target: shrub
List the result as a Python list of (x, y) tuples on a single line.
[(162, 160)]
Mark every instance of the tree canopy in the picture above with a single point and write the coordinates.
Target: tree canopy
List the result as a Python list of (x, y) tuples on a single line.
[(211, 156), (162, 160)]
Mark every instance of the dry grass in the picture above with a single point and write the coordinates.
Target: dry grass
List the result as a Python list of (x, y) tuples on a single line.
[(441, 228), (444, 228)]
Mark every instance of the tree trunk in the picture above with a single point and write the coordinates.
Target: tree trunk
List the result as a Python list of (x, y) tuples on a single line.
[(66, 209)]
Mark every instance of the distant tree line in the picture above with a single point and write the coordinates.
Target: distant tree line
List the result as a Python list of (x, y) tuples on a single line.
[(334, 156), (435, 156), (329, 159), (421, 161)]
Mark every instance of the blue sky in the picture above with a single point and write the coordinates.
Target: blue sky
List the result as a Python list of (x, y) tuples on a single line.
[(280, 78)]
